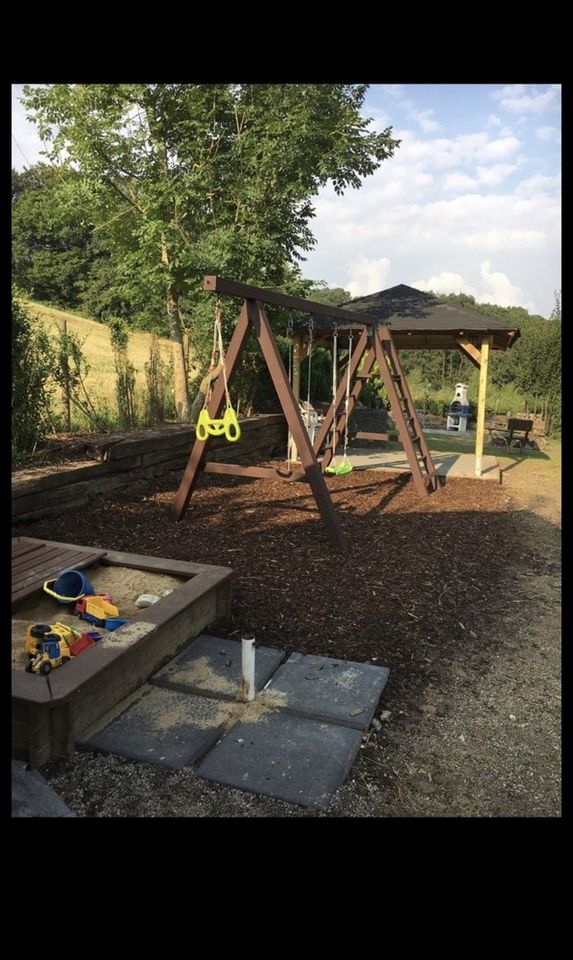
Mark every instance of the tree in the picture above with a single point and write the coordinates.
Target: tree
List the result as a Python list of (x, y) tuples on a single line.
[(32, 364), (318, 290), (208, 178), (51, 253)]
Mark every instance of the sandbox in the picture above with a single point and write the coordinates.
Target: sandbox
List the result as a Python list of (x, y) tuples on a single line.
[(49, 713)]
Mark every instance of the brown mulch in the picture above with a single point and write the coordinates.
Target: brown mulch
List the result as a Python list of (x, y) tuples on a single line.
[(439, 589)]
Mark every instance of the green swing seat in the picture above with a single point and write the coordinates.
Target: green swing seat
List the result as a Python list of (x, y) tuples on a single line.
[(341, 469)]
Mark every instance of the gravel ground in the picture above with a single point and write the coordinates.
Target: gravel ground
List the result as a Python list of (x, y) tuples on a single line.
[(458, 593)]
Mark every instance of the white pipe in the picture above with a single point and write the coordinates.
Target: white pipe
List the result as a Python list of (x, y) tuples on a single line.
[(248, 668)]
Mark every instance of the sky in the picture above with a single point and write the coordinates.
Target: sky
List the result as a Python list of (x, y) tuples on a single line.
[(470, 202)]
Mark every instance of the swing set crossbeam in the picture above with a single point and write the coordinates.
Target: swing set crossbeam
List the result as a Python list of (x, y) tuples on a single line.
[(255, 473)]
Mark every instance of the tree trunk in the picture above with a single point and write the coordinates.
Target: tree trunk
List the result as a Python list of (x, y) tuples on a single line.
[(179, 366), (182, 405), (176, 336)]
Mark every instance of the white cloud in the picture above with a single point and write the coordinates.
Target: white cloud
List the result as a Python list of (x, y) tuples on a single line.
[(379, 119), (513, 90), (493, 287), (500, 289), (491, 176), (424, 119), (486, 176), (494, 121), (459, 181), (445, 282), (539, 183), (394, 90), (506, 239), (500, 148), (548, 134), (468, 148), (519, 98), (367, 276)]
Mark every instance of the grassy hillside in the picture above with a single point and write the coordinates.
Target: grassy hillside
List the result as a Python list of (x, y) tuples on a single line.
[(96, 347)]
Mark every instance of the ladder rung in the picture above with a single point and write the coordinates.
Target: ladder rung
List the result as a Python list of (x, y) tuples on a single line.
[(396, 376)]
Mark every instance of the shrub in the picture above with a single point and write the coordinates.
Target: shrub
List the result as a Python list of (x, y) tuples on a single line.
[(32, 363)]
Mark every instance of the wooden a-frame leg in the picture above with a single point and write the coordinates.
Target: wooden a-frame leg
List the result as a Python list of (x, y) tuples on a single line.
[(197, 455), (262, 328)]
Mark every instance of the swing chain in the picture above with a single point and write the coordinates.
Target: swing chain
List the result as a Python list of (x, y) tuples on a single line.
[(334, 386), (347, 397), (310, 329)]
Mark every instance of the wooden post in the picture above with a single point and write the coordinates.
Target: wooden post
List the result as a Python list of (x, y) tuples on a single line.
[(481, 402), (262, 328)]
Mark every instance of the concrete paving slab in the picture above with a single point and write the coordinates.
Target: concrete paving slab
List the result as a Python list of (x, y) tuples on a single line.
[(337, 691), (162, 726), (446, 464), (212, 666), (32, 796), (287, 757)]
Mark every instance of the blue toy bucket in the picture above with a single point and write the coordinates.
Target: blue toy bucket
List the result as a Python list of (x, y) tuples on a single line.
[(69, 586)]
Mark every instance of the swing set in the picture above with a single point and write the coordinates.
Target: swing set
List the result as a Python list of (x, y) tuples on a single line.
[(375, 346)]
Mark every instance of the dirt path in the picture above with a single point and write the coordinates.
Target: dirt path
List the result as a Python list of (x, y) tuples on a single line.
[(459, 594)]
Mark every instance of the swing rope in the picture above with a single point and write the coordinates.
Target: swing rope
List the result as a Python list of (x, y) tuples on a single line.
[(227, 425), (347, 402), (345, 465), (310, 329), (334, 388)]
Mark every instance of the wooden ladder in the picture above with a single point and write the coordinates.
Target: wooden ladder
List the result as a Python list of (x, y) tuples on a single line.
[(403, 411)]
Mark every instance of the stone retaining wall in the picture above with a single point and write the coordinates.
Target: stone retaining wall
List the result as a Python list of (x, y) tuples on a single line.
[(41, 491)]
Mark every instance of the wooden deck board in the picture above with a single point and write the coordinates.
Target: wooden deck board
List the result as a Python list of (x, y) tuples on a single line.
[(33, 562)]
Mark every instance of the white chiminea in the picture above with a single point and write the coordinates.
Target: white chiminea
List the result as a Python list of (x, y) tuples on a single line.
[(459, 409)]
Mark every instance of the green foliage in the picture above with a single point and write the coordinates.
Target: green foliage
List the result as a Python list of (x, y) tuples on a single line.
[(319, 291), (32, 362), (159, 379), (51, 248), (69, 372), (188, 179), (373, 392), (320, 367), (124, 373)]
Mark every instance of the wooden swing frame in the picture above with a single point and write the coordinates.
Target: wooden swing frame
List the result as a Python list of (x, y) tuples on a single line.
[(374, 344)]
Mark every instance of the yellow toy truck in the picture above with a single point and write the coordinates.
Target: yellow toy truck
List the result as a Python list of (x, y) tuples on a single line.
[(48, 646)]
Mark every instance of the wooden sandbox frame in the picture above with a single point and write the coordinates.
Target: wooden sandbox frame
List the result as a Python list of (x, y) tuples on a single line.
[(49, 713)]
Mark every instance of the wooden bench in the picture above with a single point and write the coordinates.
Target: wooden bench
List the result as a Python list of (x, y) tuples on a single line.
[(516, 430)]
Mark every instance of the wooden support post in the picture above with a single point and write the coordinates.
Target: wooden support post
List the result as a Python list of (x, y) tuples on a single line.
[(486, 343), (262, 328), (197, 455), (471, 352)]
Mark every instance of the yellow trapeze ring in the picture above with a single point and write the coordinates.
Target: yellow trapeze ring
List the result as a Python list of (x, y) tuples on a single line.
[(227, 426)]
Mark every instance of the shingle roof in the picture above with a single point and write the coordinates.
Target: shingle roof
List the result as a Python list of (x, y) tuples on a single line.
[(423, 316)]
